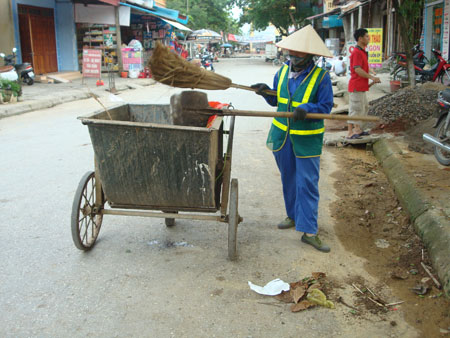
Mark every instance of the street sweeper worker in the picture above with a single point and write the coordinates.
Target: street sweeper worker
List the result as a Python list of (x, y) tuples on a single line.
[(302, 87)]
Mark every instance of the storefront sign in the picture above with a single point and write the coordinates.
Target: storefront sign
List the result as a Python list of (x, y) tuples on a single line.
[(329, 6), (375, 47), (132, 59), (446, 30), (92, 63), (100, 14)]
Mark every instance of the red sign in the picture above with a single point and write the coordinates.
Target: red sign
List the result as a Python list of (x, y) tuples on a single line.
[(92, 63), (231, 37)]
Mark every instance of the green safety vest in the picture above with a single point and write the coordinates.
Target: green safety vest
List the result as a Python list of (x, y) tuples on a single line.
[(306, 136)]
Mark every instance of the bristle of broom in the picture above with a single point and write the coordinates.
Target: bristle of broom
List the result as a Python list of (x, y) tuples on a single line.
[(171, 69)]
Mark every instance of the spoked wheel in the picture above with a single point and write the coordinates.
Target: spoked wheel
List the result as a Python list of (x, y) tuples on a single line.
[(233, 220), (86, 219), (444, 78), (441, 155), (401, 74)]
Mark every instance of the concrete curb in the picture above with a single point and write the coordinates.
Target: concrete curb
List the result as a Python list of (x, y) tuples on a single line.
[(26, 107), (433, 228)]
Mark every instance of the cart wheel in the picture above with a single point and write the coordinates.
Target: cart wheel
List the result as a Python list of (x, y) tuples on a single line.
[(170, 222), (233, 220), (85, 222)]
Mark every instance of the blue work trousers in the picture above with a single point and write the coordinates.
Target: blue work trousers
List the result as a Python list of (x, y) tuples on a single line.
[(300, 179)]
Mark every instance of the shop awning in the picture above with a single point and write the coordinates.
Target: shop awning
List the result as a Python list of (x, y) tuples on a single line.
[(352, 7), (321, 15), (149, 12), (177, 25)]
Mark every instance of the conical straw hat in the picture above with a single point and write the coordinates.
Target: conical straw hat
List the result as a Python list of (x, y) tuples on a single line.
[(305, 40)]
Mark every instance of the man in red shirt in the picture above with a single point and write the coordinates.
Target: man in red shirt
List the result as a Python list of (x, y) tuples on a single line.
[(359, 83)]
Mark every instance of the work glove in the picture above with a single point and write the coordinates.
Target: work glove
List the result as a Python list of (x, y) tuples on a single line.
[(299, 114), (261, 88)]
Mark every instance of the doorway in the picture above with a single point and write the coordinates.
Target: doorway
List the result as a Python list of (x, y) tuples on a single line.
[(37, 38)]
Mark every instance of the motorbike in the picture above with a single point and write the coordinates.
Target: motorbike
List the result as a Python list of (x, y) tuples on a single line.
[(440, 71), (24, 70), (419, 58), (441, 138), (207, 62)]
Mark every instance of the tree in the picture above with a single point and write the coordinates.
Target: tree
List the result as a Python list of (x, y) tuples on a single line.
[(408, 11), (208, 14), (280, 13)]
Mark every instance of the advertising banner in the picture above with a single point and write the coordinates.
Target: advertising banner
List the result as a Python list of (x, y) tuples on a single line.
[(92, 63), (446, 30), (375, 47)]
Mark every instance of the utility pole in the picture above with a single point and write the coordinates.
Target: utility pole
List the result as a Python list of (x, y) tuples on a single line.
[(119, 40)]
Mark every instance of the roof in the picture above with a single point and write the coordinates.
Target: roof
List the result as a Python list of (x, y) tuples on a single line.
[(332, 12)]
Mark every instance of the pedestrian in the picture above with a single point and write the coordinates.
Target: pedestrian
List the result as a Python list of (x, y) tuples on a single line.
[(339, 67), (302, 87), (359, 83)]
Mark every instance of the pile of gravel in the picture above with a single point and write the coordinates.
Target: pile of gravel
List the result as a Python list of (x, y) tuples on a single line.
[(408, 105)]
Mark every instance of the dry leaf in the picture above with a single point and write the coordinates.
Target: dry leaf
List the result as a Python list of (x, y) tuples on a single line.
[(285, 297), (318, 275), (297, 293), (303, 305), (296, 284)]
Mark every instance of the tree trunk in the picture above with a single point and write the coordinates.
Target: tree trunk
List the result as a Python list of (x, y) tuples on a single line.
[(410, 65)]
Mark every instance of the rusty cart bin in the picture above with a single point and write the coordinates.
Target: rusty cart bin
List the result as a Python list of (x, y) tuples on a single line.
[(147, 166)]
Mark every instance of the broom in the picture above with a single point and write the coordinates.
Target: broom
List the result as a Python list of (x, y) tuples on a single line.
[(171, 69)]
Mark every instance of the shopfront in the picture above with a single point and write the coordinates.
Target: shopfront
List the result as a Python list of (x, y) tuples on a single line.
[(140, 30), (44, 33), (436, 27)]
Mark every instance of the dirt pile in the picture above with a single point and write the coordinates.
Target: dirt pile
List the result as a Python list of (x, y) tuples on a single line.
[(407, 107), (371, 223)]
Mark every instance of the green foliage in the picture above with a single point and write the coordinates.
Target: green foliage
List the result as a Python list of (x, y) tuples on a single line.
[(408, 11), (13, 86), (280, 13), (209, 14)]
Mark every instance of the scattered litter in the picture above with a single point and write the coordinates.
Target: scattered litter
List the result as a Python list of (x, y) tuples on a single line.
[(304, 294), (382, 243), (318, 297), (413, 271), (420, 289), (273, 288)]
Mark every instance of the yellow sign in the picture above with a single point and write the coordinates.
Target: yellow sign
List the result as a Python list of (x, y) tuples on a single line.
[(329, 5), (375, 47)]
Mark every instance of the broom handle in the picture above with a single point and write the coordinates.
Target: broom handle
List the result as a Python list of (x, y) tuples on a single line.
[(255, 113), (269, 92)]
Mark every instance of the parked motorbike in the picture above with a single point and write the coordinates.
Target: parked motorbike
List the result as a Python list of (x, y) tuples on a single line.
[(440, 71), (24, 70), (207, 62), (419, 58), (441, 139)]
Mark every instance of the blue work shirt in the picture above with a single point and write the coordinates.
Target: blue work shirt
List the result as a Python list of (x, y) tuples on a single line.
[(324, 92)]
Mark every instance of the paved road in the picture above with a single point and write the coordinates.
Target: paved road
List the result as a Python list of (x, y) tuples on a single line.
[(135, 282)]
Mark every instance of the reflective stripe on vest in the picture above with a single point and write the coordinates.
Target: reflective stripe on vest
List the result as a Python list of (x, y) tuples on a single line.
[(297, 132), (309, 89), (280, 82), (315, 74)]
